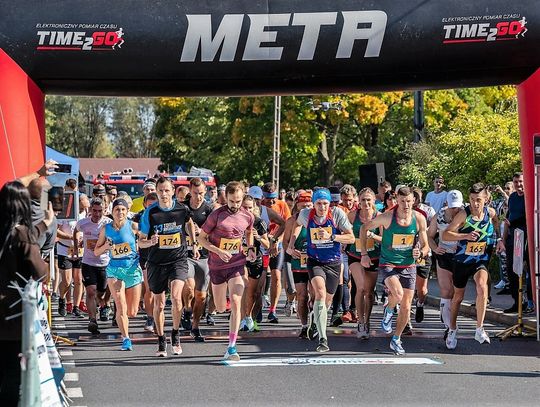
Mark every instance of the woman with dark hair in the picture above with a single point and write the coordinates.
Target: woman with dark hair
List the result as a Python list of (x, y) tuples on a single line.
[(19, 253), (390, 200)]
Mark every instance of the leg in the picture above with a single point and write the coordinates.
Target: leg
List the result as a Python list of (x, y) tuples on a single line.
[(319, 306), (177, 287), (188, 293), (456, 302), (395, 291), (404, 310), (219, 294), (302, 298), (236, 290), (421, 288), (91, 298), (444, 278), (370, 280), (250, 296), (358, 275), (481, 280), (117, 290), (148, 298), (65, 285), (77, 286), (159, 316), (133, 298)]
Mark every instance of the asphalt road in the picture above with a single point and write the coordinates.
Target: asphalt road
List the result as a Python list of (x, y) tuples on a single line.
[(293, 374)]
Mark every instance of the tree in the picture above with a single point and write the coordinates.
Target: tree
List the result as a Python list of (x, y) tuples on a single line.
[(77, 126)]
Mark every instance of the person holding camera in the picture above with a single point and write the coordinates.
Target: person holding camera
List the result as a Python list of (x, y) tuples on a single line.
[(124, 274)]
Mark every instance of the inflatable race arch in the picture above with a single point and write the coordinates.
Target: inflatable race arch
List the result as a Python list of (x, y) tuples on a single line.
[(256, 47)]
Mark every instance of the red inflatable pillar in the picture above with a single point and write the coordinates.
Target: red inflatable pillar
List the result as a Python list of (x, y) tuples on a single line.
[(22, 122), (529, 125)]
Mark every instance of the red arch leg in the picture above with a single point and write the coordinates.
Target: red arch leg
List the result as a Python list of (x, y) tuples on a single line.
[(22, 122), (529, 125)]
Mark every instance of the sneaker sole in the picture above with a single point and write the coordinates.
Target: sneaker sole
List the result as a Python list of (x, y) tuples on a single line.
[(322, 350), (397, 352), (161, 354), (232, 358), (177, 350)]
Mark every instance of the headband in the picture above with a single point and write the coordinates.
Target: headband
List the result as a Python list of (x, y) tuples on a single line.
[(270, 195), (120, 201), (304, 197), (322, 193)]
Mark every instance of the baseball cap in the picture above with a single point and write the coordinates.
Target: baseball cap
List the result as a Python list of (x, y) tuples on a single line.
[(454, 198), (255, 192), (98, 189)]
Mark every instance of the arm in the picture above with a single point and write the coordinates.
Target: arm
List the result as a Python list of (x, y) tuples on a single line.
[(431, 232), (295, 232), (499, 246), (451, 233), (289, 225), (278, 220), (31, 254), (205, 242), (47, 169), (102, 244), (249, 240), (193, 236), (378, 222), (423, 249)]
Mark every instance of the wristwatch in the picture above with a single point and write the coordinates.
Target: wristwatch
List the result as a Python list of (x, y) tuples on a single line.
[(333, 237)]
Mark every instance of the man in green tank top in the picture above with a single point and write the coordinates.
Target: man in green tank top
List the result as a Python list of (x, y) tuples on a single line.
[(400, 249)]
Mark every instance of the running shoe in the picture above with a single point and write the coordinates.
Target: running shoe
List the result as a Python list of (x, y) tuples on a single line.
[(272, 318), (481, 336), (186, 320), (323, 345), (266, 299), (69, 307), (396, 346), (175, 343), (303, 333), (336, 320), (419, 313), (162, 347), (55, 297), (196, 335), (408, 329), (445, 335), (451, 339), (256, 327), (259, 317), (312, 331), (93, 327), (288, 308), (347, 317), (354, 317), (77, 312), (126, 344), (250, 325), (386, 323), (231, 355), (243, 327), (501, 284), (82, 307), (104, 313), (294, 307), (362, 331), (62, 307), (210, 320), (149, 324)]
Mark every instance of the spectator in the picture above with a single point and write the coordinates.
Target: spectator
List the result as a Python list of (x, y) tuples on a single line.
[(437, 198), (383, 188), (46, 240), (19, 253), (389, 200), (501, 208)]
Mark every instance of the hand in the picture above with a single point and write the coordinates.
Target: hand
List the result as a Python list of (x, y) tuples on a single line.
[(109, 243), (365, 261), (255, 234), (47, 168), (251, 257), (416, 253), (273, 250), (473, 236), (224, 256), (295, 254), (439, 250), (154, 239), (196, 252), (49, 215), (500, 248)]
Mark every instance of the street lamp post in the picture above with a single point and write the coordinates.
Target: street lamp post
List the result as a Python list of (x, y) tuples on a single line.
[(277, 135)]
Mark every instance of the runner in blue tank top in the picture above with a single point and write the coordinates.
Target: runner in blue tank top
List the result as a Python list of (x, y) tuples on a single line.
[(473, 228), (124, 275), (327, 228), (399, 252)]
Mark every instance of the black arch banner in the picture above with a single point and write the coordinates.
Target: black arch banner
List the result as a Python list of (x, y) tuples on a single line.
[(210, 47)]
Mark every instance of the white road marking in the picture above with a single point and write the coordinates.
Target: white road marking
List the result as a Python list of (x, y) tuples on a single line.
[(332, 361), (74, 392), (71, 377), (66, 352)]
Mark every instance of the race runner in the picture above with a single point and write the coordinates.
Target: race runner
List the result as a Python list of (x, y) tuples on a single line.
[(222, 236), (397, 263)]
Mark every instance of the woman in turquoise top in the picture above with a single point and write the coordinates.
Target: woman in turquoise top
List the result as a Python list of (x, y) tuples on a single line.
[(364, 278), (124, 275)]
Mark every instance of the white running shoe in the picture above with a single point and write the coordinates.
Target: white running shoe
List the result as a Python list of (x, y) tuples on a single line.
[(481, 336), (249, 324), (288, 308), (362, 331), (451, 339), (501, 284), (231, 354)]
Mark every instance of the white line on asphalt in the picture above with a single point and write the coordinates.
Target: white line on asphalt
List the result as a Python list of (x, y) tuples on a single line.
[(71, 377), (74, 392), (68, 362), (59, 326), (59, 318), (332, 361), (62, 333), (66, 352)]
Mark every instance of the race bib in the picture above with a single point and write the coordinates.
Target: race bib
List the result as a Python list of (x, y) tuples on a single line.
[(230, 245), (91, 244), (170, 241), (121, 250), (71, 251), (402, 242), (314, 234), (370, 244), (189, 242), (475, 248), (303, 260)]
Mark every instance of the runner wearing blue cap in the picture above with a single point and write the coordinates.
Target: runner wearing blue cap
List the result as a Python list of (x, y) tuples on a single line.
[(328, 228)]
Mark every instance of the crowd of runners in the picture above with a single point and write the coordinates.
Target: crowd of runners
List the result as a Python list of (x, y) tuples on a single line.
[(235, 249)]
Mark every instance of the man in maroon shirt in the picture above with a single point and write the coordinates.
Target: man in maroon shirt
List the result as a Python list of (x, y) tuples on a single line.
[(222, 235)]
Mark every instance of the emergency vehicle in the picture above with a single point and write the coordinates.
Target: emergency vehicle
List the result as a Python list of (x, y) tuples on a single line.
[(132, 183)]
